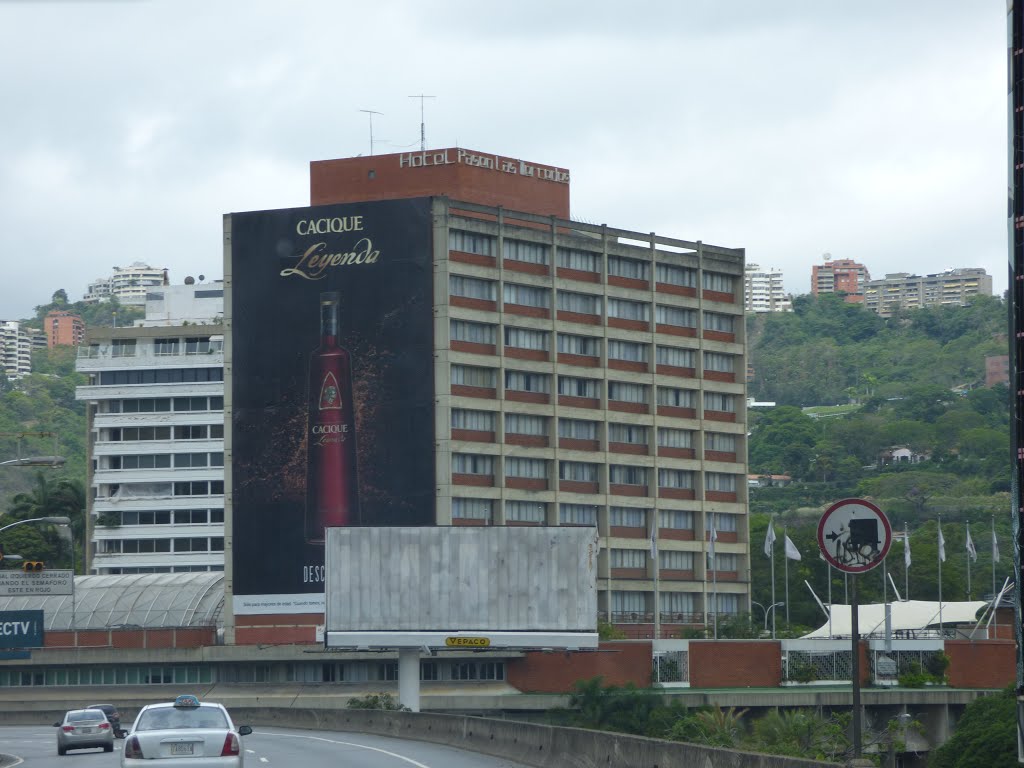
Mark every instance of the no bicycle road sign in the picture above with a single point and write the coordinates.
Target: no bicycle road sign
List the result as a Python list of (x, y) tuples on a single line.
[(854, 535)]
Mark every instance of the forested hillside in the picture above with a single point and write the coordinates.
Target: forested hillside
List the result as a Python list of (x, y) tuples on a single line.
[(914, 381)]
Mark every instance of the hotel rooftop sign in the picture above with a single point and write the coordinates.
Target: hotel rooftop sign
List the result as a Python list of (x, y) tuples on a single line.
[(509, 165)]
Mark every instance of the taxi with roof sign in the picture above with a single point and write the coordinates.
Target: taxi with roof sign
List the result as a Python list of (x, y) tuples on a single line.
[(184, 733)]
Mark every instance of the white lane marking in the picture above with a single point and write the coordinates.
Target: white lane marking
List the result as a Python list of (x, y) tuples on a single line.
[(408, 760), (250, 751), (264, 760)]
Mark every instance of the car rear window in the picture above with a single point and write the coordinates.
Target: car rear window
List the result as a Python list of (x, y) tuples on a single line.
[(85, 715), (173, 718)]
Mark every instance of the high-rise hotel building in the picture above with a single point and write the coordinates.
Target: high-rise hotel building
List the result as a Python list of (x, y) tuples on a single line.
[(583, 375)]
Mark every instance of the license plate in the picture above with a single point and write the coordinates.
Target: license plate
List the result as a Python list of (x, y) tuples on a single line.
[(181, 749), (86, 730)]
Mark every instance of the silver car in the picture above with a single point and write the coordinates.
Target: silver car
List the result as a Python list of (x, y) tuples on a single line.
[(185, 733), (84, 729)]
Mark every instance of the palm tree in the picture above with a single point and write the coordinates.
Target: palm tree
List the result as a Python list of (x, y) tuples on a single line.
[(62, 497)]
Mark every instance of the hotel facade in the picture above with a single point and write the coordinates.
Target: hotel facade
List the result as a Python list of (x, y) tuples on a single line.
[(581, 375)]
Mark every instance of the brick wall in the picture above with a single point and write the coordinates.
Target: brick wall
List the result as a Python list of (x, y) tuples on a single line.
[(618, 662), (986, 664), (735, 664)]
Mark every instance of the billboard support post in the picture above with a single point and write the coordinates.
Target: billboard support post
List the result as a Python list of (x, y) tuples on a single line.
[(409, 678)]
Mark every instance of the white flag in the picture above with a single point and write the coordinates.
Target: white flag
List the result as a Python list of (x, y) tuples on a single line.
[(791, 551), (654, 542), (995, 547), (906, 548), (942, 545), (769, 540), (971, 551), (712, 537)]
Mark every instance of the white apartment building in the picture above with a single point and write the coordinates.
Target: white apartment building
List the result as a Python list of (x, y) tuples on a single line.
[(763, 290), (156, 436), (129, 284), (15, 349)]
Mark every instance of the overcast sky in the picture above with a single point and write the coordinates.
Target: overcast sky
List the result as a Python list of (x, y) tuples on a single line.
[(874, 130)]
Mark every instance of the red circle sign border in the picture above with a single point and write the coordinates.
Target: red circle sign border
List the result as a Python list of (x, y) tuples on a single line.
[(885, 524)]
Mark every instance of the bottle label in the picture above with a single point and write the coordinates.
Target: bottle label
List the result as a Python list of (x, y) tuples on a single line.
[(330, 394)]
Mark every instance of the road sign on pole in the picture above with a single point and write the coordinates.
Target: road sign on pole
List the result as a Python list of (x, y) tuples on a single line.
[(854, 535)]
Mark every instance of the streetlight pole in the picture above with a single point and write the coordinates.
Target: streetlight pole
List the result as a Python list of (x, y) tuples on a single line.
[(767, 611), (62, 521)]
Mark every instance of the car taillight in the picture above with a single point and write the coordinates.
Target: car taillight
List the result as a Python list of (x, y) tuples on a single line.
[(132, 748), (230, 745), (68, 729), (104, 725)]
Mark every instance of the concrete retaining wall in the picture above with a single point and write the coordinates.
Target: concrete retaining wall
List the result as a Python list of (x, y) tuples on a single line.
[(541, 746)]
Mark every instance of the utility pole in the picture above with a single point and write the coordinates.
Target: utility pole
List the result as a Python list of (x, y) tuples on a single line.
[(423, 125), (370, 113)]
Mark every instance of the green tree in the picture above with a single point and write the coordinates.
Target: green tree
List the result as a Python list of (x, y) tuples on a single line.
[(985, 737)]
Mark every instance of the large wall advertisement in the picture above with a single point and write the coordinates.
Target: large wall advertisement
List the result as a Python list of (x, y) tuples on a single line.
[(331, 380)]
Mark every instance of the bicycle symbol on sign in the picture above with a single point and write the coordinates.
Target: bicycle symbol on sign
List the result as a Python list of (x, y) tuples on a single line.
[(856, 545)]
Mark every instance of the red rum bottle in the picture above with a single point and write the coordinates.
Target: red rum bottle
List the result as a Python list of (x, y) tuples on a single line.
[(332, 493)]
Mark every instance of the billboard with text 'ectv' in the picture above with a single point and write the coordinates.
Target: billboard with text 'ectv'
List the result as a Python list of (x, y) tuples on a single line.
[(331, 387)]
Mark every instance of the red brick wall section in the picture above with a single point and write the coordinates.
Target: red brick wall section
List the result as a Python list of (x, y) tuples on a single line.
[(735, 664), (128, 638), (618, 662), (981, 664)]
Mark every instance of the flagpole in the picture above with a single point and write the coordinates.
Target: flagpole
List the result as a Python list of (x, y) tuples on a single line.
[(657, 573), (785, 558), (772, 566), (906, 560), (714, 560), (829, 566), (995, 555), (941, 553), (968, 561)]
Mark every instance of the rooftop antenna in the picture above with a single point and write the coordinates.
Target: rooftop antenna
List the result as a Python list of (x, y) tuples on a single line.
[(423, 125), (370, 113)]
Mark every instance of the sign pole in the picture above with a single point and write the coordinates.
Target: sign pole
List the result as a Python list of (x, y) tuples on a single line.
[(855, 666)]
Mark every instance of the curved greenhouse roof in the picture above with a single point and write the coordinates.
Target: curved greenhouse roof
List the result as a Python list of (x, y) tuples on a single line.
[(138, 600)]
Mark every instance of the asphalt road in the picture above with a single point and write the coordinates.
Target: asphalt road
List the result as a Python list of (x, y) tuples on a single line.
[(36, 746)]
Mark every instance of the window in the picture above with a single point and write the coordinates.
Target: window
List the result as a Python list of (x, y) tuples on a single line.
[(534, 469), (716, 281), (577, 470), (577, 387), (627, 517), (532, 253), (473, 288), (716, 321), (142, 405), (676, 316), (477, 421), (199, 488), (728, 603), (521, 424), (718, 481), (525, 512), (471, 242), (627, 433), (677, 357), (620, 266), (581, 303), (628, 602), (716, 441), (186, 460), (200, 345), (192, 432), (471, 376), (725, 561), (677, 398), (577, 429), (716, 361), (577, 514), (726, 523), (476, 333), (675, 438), (625, 475), (122, 348), (675, 519), (673, 275), (571, 344), (522, 381), (675, 561), (719, 401), (675, 478), (161, 376), (573, 258), (524, 338), (678, 602), (471, 509), (144, 461), (472, 464), (629, 558), (191, 404), (630, 351), (527, 295), (627, 393), (166, 346), (629, 310)]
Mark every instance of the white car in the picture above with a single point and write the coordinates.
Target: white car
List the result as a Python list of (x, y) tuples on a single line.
[(184, 733)]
